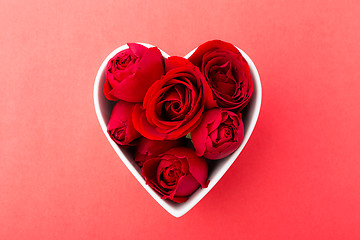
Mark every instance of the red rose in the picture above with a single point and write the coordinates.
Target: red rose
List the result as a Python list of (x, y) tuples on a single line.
[(151, 148), (120, 126), (176, 174), (219, 134), (131, 72), (227, 73), (173, 105)]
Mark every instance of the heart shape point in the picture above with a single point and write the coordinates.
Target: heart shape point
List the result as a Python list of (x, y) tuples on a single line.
[(217, 169)]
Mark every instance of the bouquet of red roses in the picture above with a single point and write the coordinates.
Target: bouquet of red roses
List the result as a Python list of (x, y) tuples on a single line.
[(178, 114)]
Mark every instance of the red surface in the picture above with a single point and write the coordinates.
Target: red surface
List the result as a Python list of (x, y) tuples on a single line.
[(297, 178)]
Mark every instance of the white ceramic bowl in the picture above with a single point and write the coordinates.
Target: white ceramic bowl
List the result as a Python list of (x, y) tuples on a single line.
[(217, 169)]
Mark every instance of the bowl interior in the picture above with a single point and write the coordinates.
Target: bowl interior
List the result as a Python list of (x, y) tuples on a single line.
[(217, 169)]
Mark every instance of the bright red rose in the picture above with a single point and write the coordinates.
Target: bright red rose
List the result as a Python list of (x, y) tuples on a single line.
[(120, 126), (176, 174), (151, 148), (227, 73), (219, 134), (173, 106), (131, 72)]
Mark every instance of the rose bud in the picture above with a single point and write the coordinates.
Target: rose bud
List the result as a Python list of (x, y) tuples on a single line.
[(131, 72), (151, 148), (120, 126), (227, 73), (176, 174), (173, 105), (219, 134)]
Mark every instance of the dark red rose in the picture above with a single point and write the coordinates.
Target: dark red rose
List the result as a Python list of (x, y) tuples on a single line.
[(227, 73), (219, 134), (131, 72), (173, 105), (120, 126), (176, 174), (151, 148)]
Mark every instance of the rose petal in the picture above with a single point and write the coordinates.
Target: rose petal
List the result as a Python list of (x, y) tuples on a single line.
[(121, 117), (143, 126), (147, 148), (149, 170), (149, 69), (138, 49), (197, 165), (187, 186), (196, 57)]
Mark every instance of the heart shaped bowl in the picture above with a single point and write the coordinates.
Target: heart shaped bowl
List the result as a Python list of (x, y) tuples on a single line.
[(217, 168)]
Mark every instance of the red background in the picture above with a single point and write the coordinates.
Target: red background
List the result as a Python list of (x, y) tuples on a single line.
[(297, 178)]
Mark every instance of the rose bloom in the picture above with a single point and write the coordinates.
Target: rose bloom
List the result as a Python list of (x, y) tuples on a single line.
[(151, 148), (120, 126), (173, 106), (131, 72), (227, 73), (176, 174), (219, 134)]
